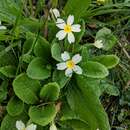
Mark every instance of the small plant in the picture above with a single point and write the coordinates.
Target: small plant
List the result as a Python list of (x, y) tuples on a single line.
[(54, 78)]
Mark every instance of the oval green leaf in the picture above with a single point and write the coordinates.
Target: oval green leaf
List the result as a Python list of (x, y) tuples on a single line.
[(26, 89), (37, 69), (94, 69), (42, 115), (56, 51), (15, 106), (8, 71), (109, 61), (50, 92)]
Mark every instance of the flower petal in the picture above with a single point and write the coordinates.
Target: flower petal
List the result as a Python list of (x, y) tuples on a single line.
[(68, 72), (53, 127), (0, 22), (76, 28), (61, 66), (77, 69), (76, 58), (55, 12), (61, 25), (2, 27), (71, 37), (65, 56), (70, 20), (61, 35), (60, 21), (20, 125), (31, 127), (98, 44)]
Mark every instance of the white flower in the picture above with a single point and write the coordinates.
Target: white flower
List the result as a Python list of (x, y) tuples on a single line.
[(21, 126), (70, 65), (67, 29), (2, 27), (98, 44), (97, 129), (53, 127), (55, 12)]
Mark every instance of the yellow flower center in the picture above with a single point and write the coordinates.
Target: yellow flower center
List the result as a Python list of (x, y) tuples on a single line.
[(24, 129), (70, 64), (67, 28)]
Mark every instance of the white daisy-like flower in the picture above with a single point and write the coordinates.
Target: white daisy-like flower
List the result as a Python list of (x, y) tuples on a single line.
[(67, 29), (97, 129), (55, 12), (21, 126), (2, 27), (70, 65), (98, 44), (53, 127)]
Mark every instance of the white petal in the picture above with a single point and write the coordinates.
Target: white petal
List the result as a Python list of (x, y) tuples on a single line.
[(20, 125), (61, 35), (60, 21), (76, 58), (53, 127), (71, 38), (0, 22), (76, 28), (70, 20), (98, 44), (65, 56), (77, 69), (61, 66), (31, 127), (61, 25), (56, 12), (2, 27), (68, 72)]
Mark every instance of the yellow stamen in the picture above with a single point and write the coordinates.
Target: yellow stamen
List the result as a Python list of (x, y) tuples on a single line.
[(24, 129), (70, 64), (67, 28)]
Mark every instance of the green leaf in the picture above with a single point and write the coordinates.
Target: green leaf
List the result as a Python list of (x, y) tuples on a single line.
[(38, 69), (29, 43), (7, 58), (56, 51), (60, 78), (15, 106), (50, 92), (40, 6), (72, 7), (42, 48), (27, 58), (85, 54), (42, 115), (85, 103), (94, 69), (52, 28), (29, 25), (108, 39), (109, 61), (26, 89), (125, 98), (8, 71), (3, 90), (72, 119), (9, 10), (9, 122), (109, 89), (80, 35)]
